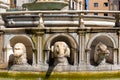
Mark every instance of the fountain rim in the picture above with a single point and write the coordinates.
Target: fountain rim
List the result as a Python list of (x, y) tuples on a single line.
[(45, 5)]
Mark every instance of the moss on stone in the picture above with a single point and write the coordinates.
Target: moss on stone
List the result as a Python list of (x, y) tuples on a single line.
[(64, 75)]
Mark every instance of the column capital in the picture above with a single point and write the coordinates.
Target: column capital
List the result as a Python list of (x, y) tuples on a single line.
[(1, 32), (87, 50), (81, 32), (118, 32), (40, 33)]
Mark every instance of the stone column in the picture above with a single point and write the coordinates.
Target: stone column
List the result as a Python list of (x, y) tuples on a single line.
[(115, 56), (87, 48), (2, 56), (2, 59), (40, 48), (79, 4), (71, 5), (118, 47), (87, 51), (81, 47), (34, 56)]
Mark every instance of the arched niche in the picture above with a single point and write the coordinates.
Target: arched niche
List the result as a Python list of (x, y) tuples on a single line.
[(27, 42), (105, 39), (71, 42)]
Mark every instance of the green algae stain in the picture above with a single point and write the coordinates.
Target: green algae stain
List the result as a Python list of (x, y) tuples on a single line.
[(11, 75)]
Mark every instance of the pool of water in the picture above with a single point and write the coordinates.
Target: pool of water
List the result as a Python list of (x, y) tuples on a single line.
[(58, 79), (19, 75)]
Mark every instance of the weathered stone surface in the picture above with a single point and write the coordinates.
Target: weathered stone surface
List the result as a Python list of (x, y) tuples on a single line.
[(25, 67), (65, 26)]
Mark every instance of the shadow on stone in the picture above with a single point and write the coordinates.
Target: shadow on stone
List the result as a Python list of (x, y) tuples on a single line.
[(50, 69), (11, 59)]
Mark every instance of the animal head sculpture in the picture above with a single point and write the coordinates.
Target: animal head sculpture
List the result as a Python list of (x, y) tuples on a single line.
[(101, 52), (60, 49), (20, 53)]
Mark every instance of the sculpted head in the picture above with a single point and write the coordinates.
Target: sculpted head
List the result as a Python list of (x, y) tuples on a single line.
[(102, 48), (19, 49), (60, 49), (20, 54), (101, 52)]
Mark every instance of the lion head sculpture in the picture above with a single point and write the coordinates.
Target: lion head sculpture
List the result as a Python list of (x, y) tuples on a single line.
[(101, 52), (60, 51), (20, 54)]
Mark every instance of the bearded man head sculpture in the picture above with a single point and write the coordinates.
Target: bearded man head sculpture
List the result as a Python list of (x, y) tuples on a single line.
[(60, 52), (20, 54)]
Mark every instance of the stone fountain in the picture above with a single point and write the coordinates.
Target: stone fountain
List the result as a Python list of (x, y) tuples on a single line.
[(56, 40), (46, 5)]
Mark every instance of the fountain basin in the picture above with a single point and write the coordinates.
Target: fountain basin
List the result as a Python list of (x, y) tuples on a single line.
[(49, 5)]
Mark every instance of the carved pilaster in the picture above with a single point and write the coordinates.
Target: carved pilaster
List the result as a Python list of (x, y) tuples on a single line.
[(81, 47), (40, 48), (78, 4), (2, 59), (118, 47), (87, 51), (87, 48), (115, 56)]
